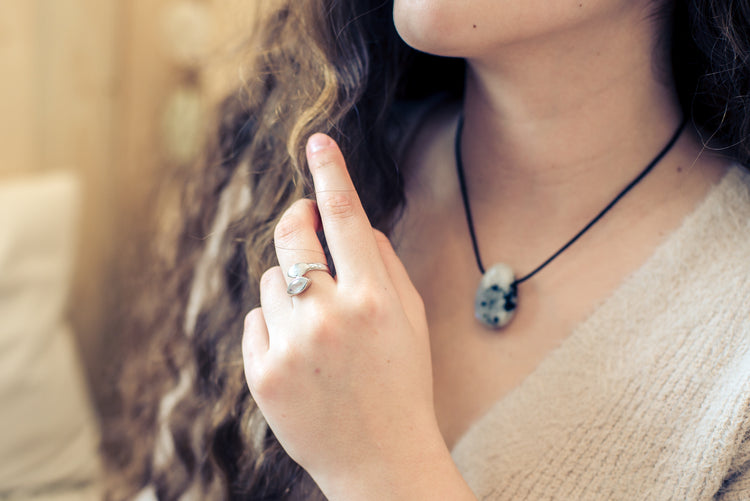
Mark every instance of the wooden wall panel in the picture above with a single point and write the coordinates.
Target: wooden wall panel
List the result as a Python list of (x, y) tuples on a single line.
[(17, 99), (84, 87), (78, 45), (57, 99)]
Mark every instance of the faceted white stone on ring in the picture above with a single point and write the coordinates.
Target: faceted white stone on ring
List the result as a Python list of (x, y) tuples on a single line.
[(298, 286), (495, 302), (297, 270)]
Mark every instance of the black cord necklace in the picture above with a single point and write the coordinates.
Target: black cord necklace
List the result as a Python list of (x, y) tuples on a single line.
[(497, 295)]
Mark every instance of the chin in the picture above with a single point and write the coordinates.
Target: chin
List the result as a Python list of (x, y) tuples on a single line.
[(476, 28), (430, 26)]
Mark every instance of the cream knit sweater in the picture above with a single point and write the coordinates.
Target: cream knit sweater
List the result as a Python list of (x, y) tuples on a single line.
[(649, 398)]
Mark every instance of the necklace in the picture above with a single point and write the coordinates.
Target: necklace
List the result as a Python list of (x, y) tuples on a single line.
[(497, 295)]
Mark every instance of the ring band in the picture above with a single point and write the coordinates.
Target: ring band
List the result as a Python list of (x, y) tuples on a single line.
[(300, 282)]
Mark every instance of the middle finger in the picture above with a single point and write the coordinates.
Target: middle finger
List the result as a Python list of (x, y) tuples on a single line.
[(348, 231)]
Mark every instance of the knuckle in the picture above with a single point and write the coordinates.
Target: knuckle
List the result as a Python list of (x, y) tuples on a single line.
[(419, 300), (289, 356), (271, 377), (419, 305), (288, 227), (303, 207), (263, 381), (269, 277), (252, 319), (321, 326), (380, 238), (327, 326), (324, 159), (383, 242), (371, 306), (340, 205)]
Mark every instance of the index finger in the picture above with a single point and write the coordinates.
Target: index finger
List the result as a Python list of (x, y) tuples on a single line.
[(345, 224)]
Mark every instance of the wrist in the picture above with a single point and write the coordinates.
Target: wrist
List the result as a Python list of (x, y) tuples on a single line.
[(416, 469)]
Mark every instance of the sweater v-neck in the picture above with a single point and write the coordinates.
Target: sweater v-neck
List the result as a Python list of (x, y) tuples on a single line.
[(620, 324)]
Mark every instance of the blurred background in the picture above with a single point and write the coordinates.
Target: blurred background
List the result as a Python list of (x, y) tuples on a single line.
[(102, 103)]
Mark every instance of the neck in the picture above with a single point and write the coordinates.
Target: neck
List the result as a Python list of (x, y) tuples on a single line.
[(556, 127)]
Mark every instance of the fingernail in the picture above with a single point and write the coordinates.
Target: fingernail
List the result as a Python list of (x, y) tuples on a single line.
[(318, 142)]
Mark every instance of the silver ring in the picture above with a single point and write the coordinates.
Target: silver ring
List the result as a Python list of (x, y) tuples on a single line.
[(300, 282)]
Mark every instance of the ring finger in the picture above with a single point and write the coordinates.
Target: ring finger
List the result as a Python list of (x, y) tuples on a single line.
[(296, 240)]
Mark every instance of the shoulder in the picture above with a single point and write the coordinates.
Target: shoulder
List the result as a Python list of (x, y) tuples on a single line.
[(715, 238), (715, 295), (704, 271), (720, 235)]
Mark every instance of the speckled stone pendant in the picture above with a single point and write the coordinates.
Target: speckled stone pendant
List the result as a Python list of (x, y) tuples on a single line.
[(496, 297)]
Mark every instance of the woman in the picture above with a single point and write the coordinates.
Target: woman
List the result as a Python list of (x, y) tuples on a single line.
[(622, 370)]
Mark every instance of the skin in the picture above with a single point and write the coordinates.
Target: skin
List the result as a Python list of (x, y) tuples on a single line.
[(563, 108), (310, 359)]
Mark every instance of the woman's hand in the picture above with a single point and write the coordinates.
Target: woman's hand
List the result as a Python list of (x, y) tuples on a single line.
[(342, 372)]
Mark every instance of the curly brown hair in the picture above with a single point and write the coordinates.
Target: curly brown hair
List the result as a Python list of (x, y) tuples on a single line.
[(188, 422)]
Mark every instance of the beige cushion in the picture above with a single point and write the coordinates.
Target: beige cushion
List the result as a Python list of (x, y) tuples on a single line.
[(48, 433)]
